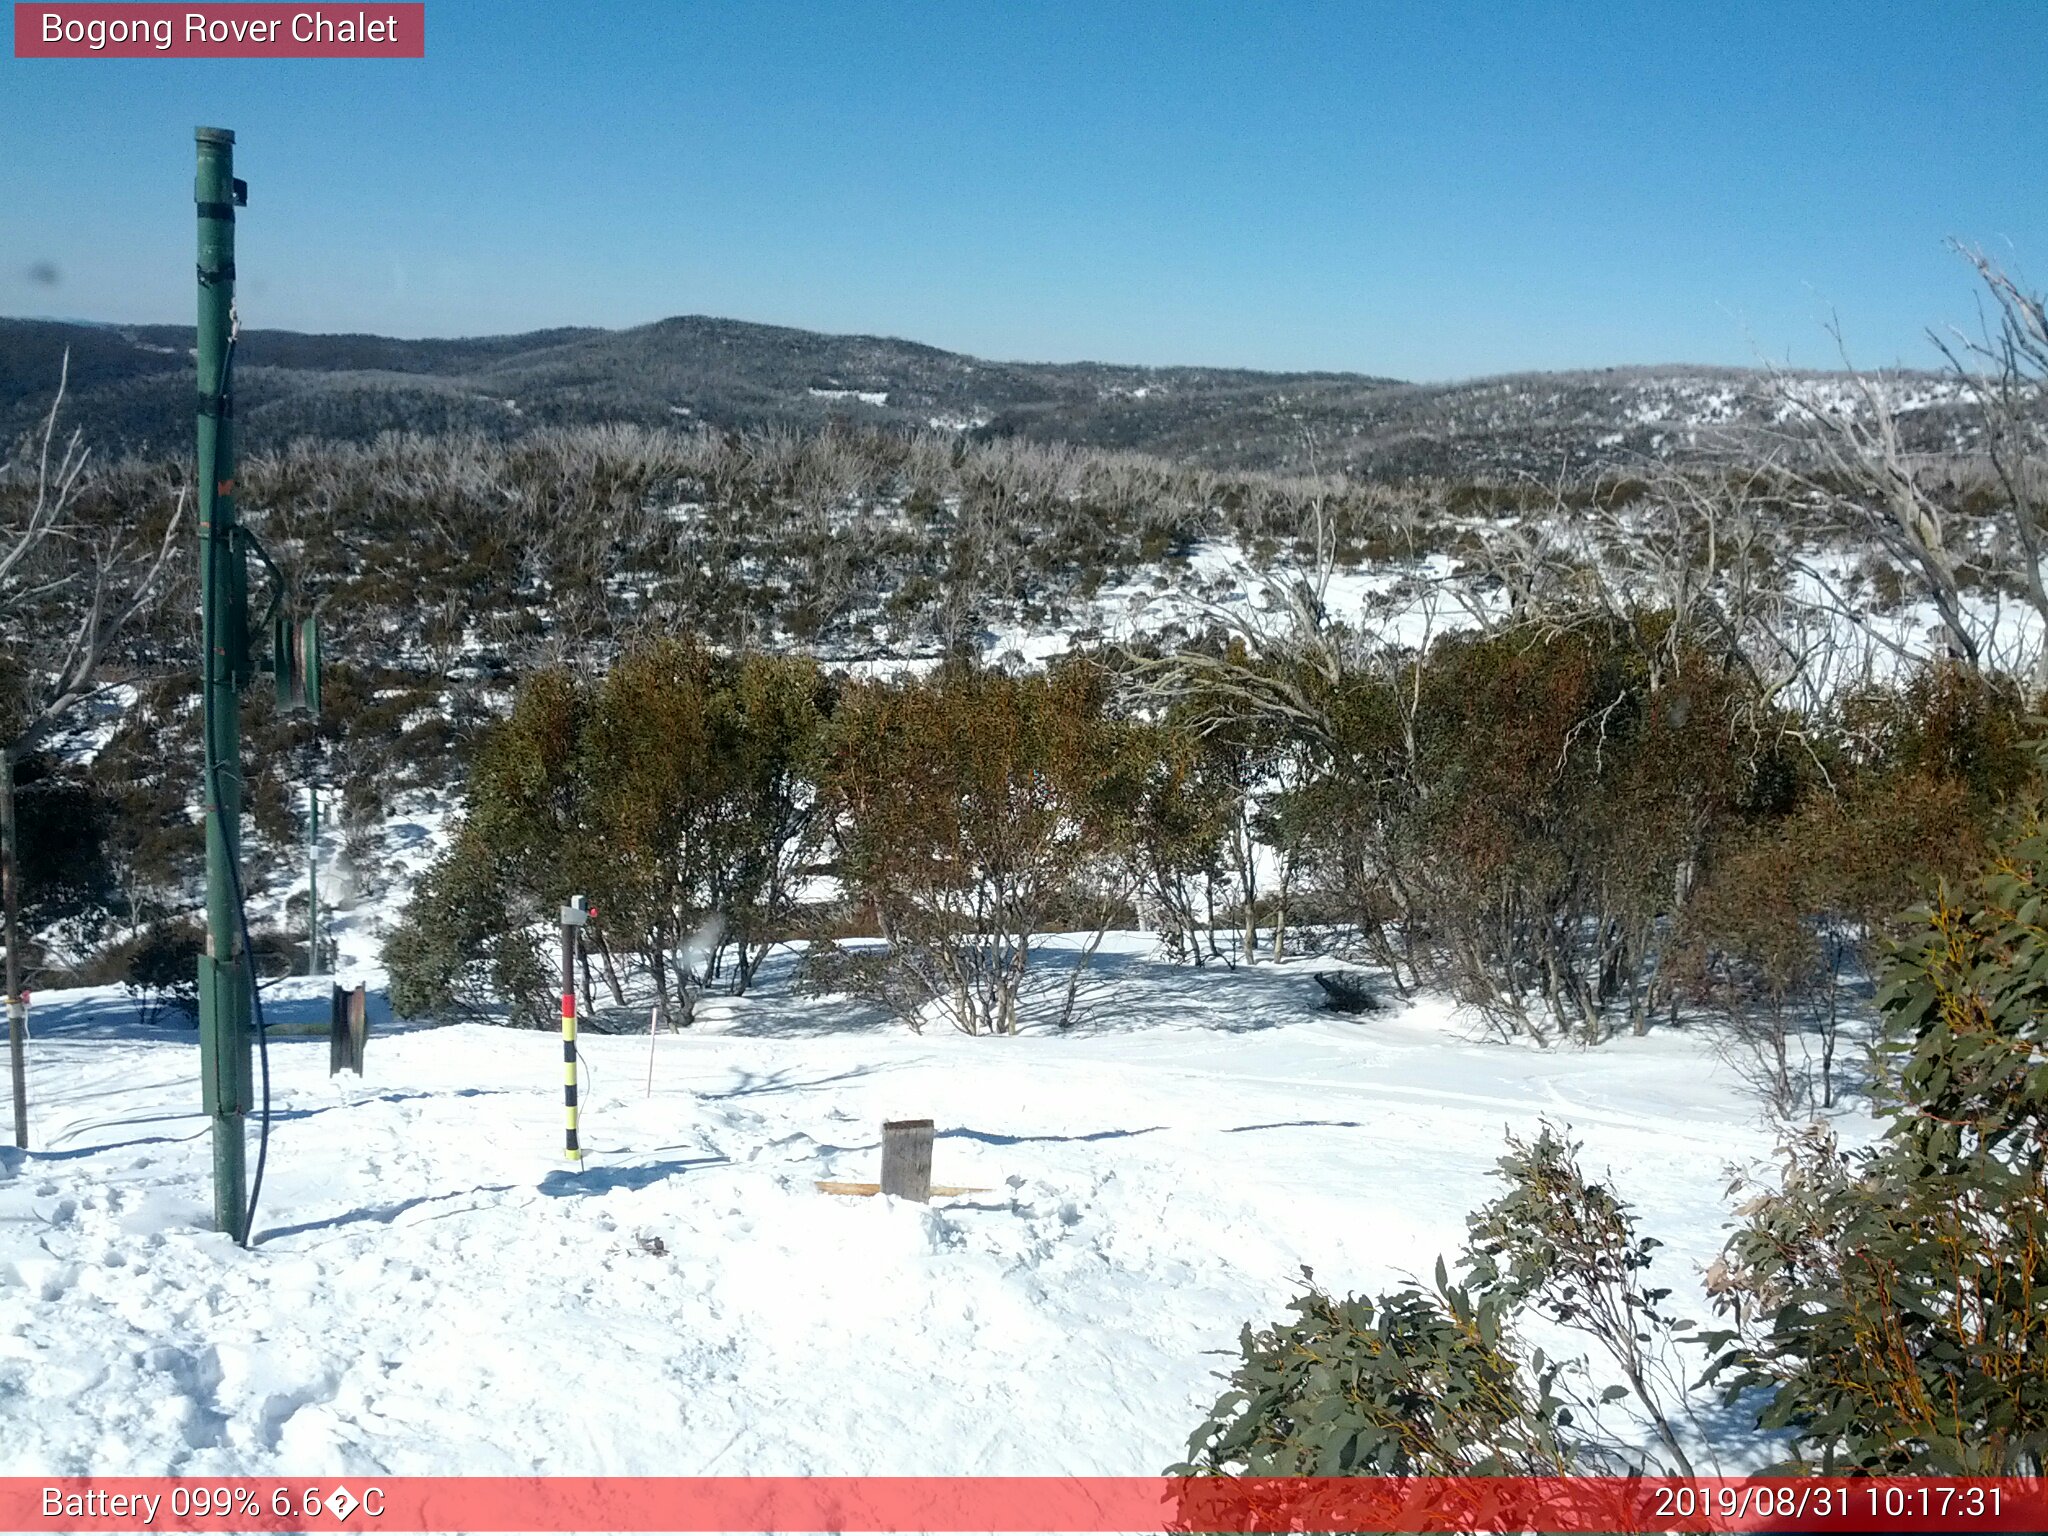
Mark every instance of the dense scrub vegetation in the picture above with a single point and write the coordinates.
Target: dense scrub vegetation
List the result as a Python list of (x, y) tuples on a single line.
[(1582, 805), (1649, 747), (673, 795), (1884, 1307), (1579, 832)]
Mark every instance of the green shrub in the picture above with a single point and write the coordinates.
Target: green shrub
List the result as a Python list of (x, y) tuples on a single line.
[(1437, 1383), (1894, 1299), (975, 811), (674, 794), (457, 949), (1412, 1383), (161, 969)]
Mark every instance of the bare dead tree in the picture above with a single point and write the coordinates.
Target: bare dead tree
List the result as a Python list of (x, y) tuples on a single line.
[(68, 589), (2009, 382), (1282, 647), (1865, 474)]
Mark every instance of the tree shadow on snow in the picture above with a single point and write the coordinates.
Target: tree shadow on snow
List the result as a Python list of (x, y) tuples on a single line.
[(383, 1215), (66, 1154), (1290, 1125), (603, 1178), (104, 1015), (1120, 992), (277, 1117), (795, 1016), (295, 1009), (995, 1139), (397, 1096), (750, 1085)]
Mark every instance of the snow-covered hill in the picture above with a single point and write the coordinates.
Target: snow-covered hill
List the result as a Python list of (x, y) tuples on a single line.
[(132, 385)]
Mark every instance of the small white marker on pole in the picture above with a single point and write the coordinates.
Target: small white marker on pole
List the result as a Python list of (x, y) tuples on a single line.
[(653, 1015)]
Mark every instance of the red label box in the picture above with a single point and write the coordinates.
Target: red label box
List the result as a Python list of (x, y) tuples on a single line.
[(101, 30)]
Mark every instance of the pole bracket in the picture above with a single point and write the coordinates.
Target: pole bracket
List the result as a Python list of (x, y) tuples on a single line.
[(226, 1090)]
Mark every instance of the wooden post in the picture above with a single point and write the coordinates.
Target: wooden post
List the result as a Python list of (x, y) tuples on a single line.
[(907, 1159)]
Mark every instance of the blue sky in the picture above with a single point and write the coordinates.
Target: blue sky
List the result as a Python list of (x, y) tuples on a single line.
[(1430, 190)]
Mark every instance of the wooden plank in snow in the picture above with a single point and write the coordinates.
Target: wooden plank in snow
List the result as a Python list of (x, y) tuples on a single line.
[(837, 1187)]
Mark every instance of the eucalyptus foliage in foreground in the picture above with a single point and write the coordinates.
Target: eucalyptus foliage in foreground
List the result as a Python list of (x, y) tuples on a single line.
[(1894, 1299), (1889, 1305)]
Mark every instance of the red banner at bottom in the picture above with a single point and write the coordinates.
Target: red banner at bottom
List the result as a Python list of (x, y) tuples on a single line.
[(1093, 1504)]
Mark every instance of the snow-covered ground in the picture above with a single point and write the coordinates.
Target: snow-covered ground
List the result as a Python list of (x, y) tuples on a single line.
[(434, 1291)]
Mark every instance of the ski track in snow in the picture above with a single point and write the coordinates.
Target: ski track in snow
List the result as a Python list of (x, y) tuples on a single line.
[(433, 1291)]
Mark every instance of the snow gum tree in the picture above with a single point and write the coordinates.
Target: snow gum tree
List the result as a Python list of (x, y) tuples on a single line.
[(1520, 817), (1182, 820), (697, 809), (473, 932), (1888, 1306), (675, 794), (1793, 911), (976, 811)]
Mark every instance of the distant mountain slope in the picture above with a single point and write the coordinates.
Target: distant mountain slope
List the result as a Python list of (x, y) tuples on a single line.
[(130, 388)]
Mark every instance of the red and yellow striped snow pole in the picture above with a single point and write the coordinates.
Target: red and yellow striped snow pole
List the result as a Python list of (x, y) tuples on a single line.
[(573, 918)]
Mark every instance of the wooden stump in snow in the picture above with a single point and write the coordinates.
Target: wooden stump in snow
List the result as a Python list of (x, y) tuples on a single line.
[(907, 1159)]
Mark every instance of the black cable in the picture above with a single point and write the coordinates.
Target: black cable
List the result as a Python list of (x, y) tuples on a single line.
[(262, 1041), (262, 1029)]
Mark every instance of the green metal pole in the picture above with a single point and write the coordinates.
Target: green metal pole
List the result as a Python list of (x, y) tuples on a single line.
[(223, 969)]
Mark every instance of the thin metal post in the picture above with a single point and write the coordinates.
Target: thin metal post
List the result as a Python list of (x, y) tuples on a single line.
[(17, 1013), (312, 877), (573, 918), (224, 1064)]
